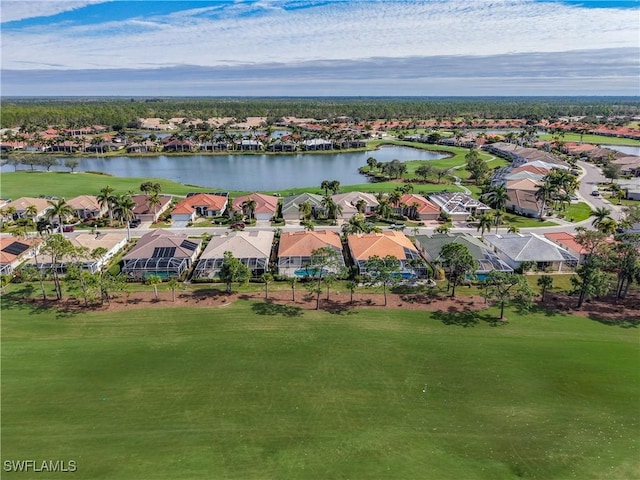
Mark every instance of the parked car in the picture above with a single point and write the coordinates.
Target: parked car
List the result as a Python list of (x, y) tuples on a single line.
[(68, 228), (237, 226), (595, 193), (135, 223), (398, 227)]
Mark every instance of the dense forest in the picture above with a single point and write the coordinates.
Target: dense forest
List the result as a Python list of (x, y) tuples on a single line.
[(77, 112)]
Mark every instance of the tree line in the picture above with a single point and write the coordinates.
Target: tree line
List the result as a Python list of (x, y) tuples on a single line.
[(30, 113)]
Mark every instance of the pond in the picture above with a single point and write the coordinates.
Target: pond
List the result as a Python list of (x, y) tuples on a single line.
[(258, 172)]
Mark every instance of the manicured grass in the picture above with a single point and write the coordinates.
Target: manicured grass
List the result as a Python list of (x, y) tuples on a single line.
[(578, 212), (68, 185), (525, 222), (595, 139), (261, 391)]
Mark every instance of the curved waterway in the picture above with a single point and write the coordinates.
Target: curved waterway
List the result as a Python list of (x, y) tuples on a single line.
[(250, 172)]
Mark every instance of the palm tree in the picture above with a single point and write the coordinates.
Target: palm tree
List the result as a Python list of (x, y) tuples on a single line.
[(384, 209), (249, 206), (325, 185), (106, 198), (485, 222), (123, 210), (154, 201), (498, 216), (31, 211), (608, 226), (395, 198), (331, 207), (600, 214), (305, 210), (543, 194), (497, 197), (60, 209), (361, 205)]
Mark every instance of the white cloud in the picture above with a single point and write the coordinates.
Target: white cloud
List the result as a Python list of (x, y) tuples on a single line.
[(20, 10), (259, 32)]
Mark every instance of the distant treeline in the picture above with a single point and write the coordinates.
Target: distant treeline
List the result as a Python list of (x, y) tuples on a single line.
[(32, 113)]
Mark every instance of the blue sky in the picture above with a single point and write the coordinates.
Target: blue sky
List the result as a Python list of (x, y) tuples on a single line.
[(320, 47)]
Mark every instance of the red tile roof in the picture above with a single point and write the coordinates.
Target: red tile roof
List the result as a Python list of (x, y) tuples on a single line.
[(211, 202)]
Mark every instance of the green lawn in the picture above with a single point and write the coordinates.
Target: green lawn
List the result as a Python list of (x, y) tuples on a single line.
[(595, 139), (526, 222), (578, 212), (260, 391), (68, 185)]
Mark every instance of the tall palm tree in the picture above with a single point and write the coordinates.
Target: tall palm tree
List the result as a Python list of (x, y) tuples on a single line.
[(60, 209), (543, 194), (601, 214), (331, 207), (123, 210), (106, 198), (485, 222), (498, 216), (154, 201), (497, 197), (325, 185)]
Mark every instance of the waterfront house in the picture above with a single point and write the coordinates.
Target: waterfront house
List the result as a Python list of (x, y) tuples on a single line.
[(265, 209), (291, 205), (87, 207), (199, 205)]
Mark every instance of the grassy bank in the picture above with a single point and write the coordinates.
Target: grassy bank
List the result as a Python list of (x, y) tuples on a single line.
[(68, 185), (245, 392)]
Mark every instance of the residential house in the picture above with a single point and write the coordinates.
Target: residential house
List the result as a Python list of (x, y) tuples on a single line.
[(249, 145), (22, 204), (199, 205), (291, 205), (111, 242), (431, 245), (569, 243), (366, 245), (148, 213), (350, 201), (87, 207), (265, 209), (524, 202), (175, 145), (516, 248), (253, 249), (161, 253), (631, 187), (458, 205), (316, 144), (295, 250), (14, 251), (417, 207)]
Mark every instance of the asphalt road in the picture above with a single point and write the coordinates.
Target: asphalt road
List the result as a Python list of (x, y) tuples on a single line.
[(588, 181)]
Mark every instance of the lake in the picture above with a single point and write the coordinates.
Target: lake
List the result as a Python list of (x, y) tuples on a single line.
[(249, 172), (629, 149)]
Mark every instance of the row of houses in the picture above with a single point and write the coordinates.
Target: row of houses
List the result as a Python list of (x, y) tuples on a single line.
[(170, 255), (524, 175), (458, 206)]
